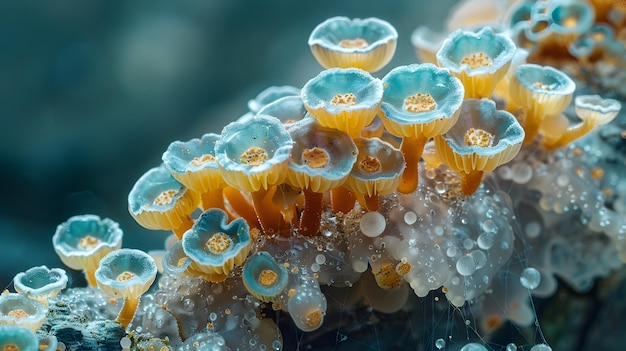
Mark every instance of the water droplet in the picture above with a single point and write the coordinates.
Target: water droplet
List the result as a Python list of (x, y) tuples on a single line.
[(466, 265), (511, 347), (485, 241), (372, 224), (532, 229), (541, 347), (320, 259), (530, 278), (440, 343), (410, 217)]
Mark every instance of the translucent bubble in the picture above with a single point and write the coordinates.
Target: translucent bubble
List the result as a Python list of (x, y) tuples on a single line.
[(541, 347), (468, 244), (479, 257), (473, 347), (451, 252), (562, 180), (522, 173), (505, 172), (489, 226), (315, 267), (466, 265), (125, 343), (372, 224), (277, 345), (440, 344), (410, 217), (532, 229), (320, 259), (530, 278), (485, 241), (212, 316), (511, 347)]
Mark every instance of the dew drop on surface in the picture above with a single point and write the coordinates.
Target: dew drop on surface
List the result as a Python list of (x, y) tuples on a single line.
[(532, 229), (522, 173), (466, 265), (440, 343), (479, 257), (511, 347), (410, 217), (562, 180), (489, 226), (451, 252), (125, 343), (541, 347), (320, 259), (530, 278), (485, 241), (372, 224)]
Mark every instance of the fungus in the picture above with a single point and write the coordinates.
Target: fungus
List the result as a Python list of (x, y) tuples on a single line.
[(307, 305), (288, 109), (19, 309), (344, 99), (175, 261), (127, 274), (479, 59), (158, 201), (368, 44), (541, 91), (263, 277), (17, 338), (321, 160), (483, 139), (270, 95), (193, 164), (40, 283), (83, 240), (571, 18), (593, 110), (426, 43), (419, 102), (377, 170), (216, 246), (252, 156)]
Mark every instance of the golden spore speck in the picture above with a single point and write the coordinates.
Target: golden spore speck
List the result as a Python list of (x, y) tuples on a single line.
[(291, 292), (387, 277), (18, 313), (315, 157), (569, 22), (347, 99), (369, 164), (166, 197), (88, 241), (541, 86), (314, 319), (10, 347), (403, 268), (358, 43), (181, 261), (597, 173), (419, 102), (476, 60), (199, 161), (254, 156), (267, 277), (218, 243), (125, 276), (478, 137), (227, 311)]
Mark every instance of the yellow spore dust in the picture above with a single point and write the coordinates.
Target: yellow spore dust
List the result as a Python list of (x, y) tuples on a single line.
[(387, 277), (358, 43), (18, 313), (476, 60), (369, 164), (403, 268), (199, 161), (347, 99), (254, 156), (315, 157), (478, 137), (218, 243), (125, 276), (419, 102), (165, 198), (314, 319), (268, 277), (10, 347), (88, 241)]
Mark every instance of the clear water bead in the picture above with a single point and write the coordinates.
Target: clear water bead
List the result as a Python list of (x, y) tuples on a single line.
[(530, 278)]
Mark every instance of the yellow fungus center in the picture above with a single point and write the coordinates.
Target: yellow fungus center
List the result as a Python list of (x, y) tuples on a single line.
[(478, 137), (357, 43), (314, 319), (254, 156), (125, 276), (387, 277), (403, 268), (10, 347), (569, 21), (315, 157), (18, 313), (542, 86), (166, 197), (218, 243), (476, 60), (444, 289), (348, 99), (291, 292), (419, 102), (199, 161), (369, 164), (181, 261), (88, 241), (268, 277), (597, 173)]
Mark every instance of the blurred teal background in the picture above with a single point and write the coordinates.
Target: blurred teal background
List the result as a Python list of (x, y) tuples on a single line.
[(93, 92)]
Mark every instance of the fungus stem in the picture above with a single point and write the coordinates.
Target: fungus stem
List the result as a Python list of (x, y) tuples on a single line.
[(372, 202), (571, 134), (471, 181), (412, 148), (90, 275), (342, 199), (214, 199), (184, 226), (268, 214), (312, 213), (241, 206), (129, 307), (531, 126)]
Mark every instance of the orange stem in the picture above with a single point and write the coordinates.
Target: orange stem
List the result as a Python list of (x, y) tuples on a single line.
[(471, 181), (372, 202), (241, 206), (412, 149), (342, 199), (312, 214), (185, 226), (268, 214)]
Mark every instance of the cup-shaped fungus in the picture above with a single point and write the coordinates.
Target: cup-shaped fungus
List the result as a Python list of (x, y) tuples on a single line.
[(368, 44), (377, 170), (18, 309), (193, 164), (426, 43), (541, 91), (321, 160), (175, 261), (594, 111), (344, 99), (160, 202), (288, 109), (419, 102), (263, 277), (571, 18), (127, 274), (216, 246), (17, 338), (480, 59), (270, 95), (83, 240), (481, 140), (40, 283)]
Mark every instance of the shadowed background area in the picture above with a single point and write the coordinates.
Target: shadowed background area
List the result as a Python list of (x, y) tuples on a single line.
[(92, 93)]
